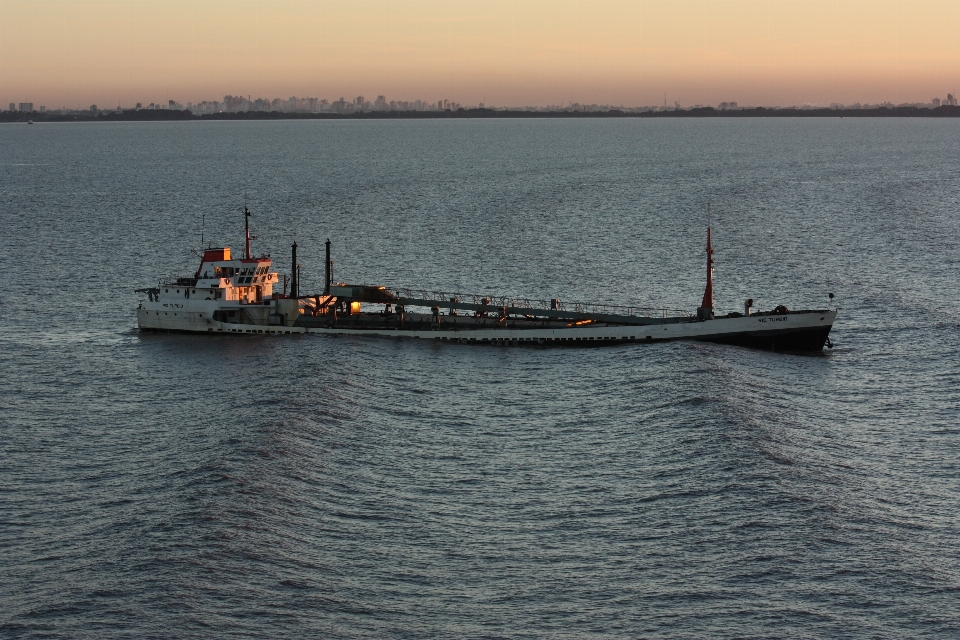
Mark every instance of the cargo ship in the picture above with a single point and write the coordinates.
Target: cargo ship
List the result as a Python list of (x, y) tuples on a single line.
[(240, 296)]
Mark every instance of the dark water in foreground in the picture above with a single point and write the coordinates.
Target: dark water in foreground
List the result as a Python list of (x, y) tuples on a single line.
[(155, 485)]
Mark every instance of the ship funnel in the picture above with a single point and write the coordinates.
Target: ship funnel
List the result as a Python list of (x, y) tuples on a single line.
[(327, 275), (294, 272), (705, 310)]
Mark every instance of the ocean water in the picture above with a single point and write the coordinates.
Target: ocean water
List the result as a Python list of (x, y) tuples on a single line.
[(180, 486)]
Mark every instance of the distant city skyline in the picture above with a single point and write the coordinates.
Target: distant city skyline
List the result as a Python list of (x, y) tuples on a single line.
[(294, 104), (532, 53)]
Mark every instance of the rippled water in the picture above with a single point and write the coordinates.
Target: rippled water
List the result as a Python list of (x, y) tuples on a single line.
[(166, 485)]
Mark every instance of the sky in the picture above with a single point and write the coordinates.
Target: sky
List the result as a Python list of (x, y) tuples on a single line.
[(505, 53)]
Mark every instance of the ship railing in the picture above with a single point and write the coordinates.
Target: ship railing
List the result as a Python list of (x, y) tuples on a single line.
[(587, 308), (178, 280)]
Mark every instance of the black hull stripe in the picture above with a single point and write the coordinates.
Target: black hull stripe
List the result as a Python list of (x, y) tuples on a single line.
[(801, 340), (811, 339)]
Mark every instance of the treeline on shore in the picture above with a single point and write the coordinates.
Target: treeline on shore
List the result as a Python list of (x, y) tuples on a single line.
[(152, 115)]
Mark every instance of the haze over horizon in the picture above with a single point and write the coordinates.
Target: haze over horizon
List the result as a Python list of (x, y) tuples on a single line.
[(501, 53)]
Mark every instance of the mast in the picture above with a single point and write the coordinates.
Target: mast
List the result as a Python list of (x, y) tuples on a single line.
[(707, 304), (246, 226)]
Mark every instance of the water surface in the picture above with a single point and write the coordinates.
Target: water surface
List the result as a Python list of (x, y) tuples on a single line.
[(158, 485)]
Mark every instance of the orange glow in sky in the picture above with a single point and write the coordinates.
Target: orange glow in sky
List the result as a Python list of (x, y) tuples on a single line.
[(518, 52)]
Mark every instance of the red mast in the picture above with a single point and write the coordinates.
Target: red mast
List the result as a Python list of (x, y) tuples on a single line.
[(246, 225), (707, 303)]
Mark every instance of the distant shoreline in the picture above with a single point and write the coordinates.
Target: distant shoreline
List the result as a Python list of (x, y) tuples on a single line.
[(164, 115)]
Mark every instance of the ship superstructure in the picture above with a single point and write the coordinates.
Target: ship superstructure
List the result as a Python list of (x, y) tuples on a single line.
[(237, 296), (224, 290)]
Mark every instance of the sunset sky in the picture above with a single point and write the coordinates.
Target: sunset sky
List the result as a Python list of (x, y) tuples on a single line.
[(520, 52)]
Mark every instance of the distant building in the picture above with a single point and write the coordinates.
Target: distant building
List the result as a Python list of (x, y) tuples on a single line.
[(43, 109), (935, 102), (13, 107), (951, 100), (93, 108), (234, 103), (26, 107)]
